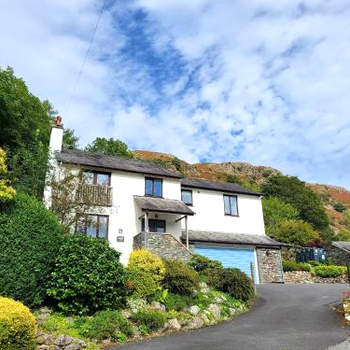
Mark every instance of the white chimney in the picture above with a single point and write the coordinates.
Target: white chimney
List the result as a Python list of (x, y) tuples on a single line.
[(56, 136)]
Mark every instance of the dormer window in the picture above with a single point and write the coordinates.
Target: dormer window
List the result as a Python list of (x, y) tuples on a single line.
[(153, 187), (97, 178)]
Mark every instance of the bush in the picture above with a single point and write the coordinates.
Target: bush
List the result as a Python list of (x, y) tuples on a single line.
[(314, 263), (88, 276), (177, 302), (295, 232), (30, 237), (107, 324), (234, 282), (340, 207), (17, 326), (289, 265), (329, 270), (152, 319), (141, 259), (141, 283), (179, 278), (201, 263), (343, 235)]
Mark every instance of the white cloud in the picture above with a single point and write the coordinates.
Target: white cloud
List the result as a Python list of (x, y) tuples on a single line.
[(263, 81)]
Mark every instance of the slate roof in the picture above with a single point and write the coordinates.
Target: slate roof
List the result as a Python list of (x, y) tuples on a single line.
[(231, 238), (342, 245), (114, 163), (218, 186), (172, 206)]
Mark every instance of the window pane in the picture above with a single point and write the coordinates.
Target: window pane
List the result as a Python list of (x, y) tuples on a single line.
[(89, 177), (227, 205), (186, 196), (92, 226), (234, 210), (160, 226), (102, 229), (157, 188), (102, 179), (149, 186)]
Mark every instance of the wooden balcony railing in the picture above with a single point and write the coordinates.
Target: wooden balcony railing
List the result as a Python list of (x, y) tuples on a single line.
[(95, 195)]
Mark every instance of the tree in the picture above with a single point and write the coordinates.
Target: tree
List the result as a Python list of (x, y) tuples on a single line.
[(293, 191), (69, 139), (110, 147), (343, 235), (71, 201), (6, 191), (277, 211), (295, 232)]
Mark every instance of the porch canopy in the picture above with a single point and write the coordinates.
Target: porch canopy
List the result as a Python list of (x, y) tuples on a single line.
[(161, 205), (231, 238)]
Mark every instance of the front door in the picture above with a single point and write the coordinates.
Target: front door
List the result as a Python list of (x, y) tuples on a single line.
[(155, 225)]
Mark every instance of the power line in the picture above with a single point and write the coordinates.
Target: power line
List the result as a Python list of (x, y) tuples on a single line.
[(86, 55)]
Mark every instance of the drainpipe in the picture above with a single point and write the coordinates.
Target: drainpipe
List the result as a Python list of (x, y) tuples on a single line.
[(186, 230), (146, 229)]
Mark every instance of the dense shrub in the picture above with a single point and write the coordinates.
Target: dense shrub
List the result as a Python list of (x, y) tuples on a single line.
[(17, 326), (343, 235), (289, 265), (141, 283), (329, 270), (201, 263), (152, 319), (107, 324), (88, 276), (314, 263), (30, 237), (295, 232), (293, 191), (340, 207), (178, 302), (234, 282), (179, 278)]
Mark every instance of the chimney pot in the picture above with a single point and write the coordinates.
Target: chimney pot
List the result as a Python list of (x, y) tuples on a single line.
[(58, 121)]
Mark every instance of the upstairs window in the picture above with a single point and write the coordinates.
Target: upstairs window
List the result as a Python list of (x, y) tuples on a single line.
[(97, 178), (153, 187), (230, 203), (186, 197), (94, 226)]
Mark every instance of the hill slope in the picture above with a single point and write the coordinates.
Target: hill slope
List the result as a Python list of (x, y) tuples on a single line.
[(248, 175)]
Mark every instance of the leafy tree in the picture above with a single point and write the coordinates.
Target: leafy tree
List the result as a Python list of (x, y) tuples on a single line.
[(6, 191), (71, 201), (340, 207), (110, 146), (343, 235), (69, 139), (277, 211), (294, 232), (293, 191)]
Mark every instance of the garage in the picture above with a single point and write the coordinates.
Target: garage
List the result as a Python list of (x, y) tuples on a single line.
[(230, 257)]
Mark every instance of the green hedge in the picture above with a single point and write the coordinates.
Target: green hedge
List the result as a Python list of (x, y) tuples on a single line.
[(30, 237), (179, 278), (201, 263), (289, 265), (234, 282), (329, 270), (88, 276)]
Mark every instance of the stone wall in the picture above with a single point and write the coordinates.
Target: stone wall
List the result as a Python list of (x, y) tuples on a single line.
[(164, 245), (307, 277), (338, 256), (269, 265)]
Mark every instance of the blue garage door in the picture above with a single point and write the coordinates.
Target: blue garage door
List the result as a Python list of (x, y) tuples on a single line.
[(229, 257)]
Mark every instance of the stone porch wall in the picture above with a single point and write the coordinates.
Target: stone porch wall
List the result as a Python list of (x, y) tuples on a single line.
[(338, 256), (269, 265), (164, 245)]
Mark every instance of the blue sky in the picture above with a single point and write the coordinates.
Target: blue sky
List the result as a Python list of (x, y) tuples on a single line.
[(261, 81)]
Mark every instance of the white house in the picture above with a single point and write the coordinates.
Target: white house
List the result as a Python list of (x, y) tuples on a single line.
[(144, 205)]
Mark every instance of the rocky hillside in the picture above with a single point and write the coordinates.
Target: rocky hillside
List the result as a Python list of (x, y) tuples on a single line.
[(248, 175)]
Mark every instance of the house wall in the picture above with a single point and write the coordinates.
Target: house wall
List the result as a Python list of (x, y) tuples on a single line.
[(209, 208)]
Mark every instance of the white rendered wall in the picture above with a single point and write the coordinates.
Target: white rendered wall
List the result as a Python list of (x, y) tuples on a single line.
[(210, 216)]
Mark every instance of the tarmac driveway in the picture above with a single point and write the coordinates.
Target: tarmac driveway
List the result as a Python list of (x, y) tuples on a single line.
[(286, 317)]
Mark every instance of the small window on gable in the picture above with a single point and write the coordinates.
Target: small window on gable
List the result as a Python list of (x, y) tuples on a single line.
[(230, 204), (93, 226), (186, 197), (153, 187)]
